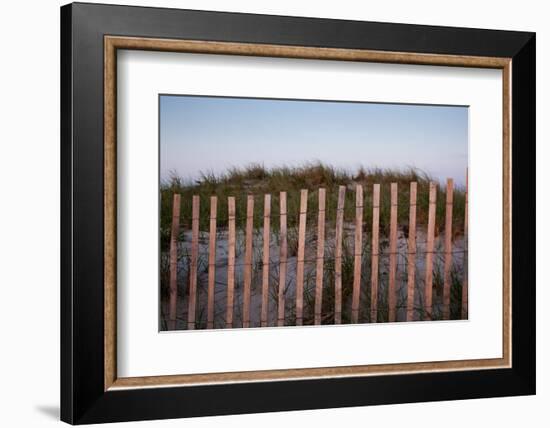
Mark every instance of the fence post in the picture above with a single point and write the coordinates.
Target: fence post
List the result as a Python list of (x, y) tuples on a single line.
[(429, 252), (411, 259), (212, 261), (301, 256), (194, 260), (265, 260), (358, 248), (338, 255), (448, 250), (375, 253), (248, 260), (230, 261), (282, 261), (174, 261), (320, 257), (393, 255), (464, 305)]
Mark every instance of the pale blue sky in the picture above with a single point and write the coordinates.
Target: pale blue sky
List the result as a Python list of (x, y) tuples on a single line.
[(214, 133)]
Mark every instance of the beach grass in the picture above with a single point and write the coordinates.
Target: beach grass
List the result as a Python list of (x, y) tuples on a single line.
[(258, 180)]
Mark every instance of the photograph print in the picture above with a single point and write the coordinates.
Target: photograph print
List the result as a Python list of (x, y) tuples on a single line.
[(283, 212)]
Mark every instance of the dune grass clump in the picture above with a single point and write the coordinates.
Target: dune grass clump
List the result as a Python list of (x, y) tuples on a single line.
[(257, 180)]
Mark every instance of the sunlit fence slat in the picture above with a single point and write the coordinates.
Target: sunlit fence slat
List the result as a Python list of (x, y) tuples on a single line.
[(428, 288), (411, 256), (230, 261), (358, 248), (464, 305), (211, 262), (248, 260), (301, 257), (282, 260), (319, 267), (448, 250), (338, 255), (375, 252), (172, 311), (265, 260), (393, 255), (191, 312)]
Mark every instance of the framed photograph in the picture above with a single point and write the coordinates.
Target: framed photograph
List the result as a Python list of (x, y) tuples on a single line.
[(265, 213)]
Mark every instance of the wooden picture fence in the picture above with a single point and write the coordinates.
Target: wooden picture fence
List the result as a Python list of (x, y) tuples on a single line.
[(360, 288)]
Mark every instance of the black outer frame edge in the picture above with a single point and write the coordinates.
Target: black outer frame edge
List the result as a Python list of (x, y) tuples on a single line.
[(300, 31), (82, 397), (524, 213), (66, 306)]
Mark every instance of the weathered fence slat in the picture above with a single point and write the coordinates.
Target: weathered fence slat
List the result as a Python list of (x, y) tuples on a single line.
[(320, 257), (265, 260), (448, 250), (358, 248), (211, 262), (375, 253), (464, 305), (230, 261), (248, 260), (176, 204), (301, 257), (411, 257), (194, 261), (338, 255), (429, 252), (393, 255), (282, 261)]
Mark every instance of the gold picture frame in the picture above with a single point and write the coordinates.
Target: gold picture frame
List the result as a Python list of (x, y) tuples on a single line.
[(114, 43)]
